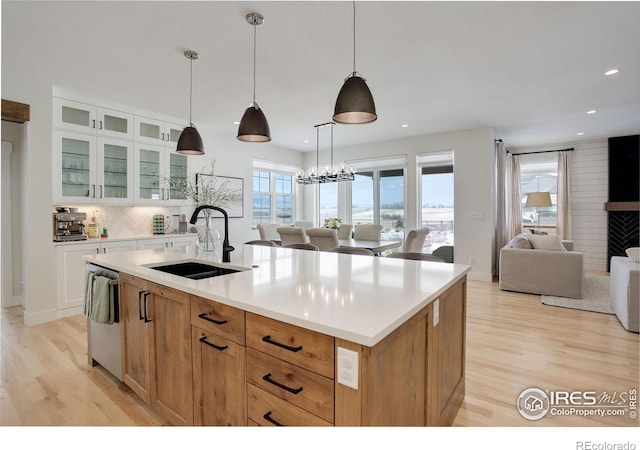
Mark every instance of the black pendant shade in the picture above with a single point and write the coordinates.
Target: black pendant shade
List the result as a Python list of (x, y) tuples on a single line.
[(355, 103), (253, 125), (190, 142)]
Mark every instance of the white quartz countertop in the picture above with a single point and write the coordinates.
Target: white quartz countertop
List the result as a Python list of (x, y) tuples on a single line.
[(358, 298)]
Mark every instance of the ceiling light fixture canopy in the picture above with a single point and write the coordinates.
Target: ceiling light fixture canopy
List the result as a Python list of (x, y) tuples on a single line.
[(253, 125), (354, 103), (190, 142), (329, 174)]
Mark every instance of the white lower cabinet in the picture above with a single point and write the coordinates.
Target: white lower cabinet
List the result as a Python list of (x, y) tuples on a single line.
[(71, 268), (166, 242)]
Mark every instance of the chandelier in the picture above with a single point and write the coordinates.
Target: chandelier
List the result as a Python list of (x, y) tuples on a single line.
[(328, 174)]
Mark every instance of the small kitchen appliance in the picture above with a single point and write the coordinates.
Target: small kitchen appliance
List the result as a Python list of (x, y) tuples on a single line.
[(68, 226)]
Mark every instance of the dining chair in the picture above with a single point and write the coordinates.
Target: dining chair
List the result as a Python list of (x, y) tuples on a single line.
[(305, 246), (268, 231), (291, 235), (416, 256), (415, 240), (367, 232), (345, 231), (445, 252), (324, 238), (262, 242), (352, 250)]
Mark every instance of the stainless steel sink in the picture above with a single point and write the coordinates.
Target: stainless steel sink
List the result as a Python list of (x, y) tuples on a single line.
[(196, 270)]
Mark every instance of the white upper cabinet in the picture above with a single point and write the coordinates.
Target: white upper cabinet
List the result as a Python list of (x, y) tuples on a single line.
[(89, 169), (152, 131), (157, 171), (84, 118)]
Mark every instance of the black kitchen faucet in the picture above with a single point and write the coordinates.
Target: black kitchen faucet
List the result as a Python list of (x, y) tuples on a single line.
[(226, 248)]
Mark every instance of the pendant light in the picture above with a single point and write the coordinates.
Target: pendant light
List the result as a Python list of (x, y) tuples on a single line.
[(253, 125), (355, 102), (190, 142)]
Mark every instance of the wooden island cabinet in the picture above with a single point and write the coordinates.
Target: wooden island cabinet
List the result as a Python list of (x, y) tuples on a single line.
[(293, 337), (202, 362)]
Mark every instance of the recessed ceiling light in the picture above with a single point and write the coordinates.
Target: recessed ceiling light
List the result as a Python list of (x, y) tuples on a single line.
[(580, 134), (592, 111), (404, 125), (236, 122), (306, 141), (612, 72)]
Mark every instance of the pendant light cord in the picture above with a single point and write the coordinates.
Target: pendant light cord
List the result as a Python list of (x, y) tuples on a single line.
[(254, 63), (190, 88), (354, 38)]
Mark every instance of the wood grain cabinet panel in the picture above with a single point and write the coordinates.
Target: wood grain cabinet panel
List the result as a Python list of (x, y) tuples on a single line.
[(219, 366), (305, 348), (269, 410), (222, 320), (297, 386)]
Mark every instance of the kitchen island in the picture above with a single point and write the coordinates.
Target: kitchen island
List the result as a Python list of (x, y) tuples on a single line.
[(294, 337)]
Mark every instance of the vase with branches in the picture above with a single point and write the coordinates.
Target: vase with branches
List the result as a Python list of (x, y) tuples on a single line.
[(207, 189)]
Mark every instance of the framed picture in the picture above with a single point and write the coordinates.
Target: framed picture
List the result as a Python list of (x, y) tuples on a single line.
[(210, 186)]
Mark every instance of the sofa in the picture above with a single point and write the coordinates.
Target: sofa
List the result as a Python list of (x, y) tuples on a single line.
[(541, 264)]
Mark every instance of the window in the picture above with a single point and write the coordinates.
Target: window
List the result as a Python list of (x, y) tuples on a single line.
[(273, 197), (328, 201), (437, 198), (378, 195), (539, 173)]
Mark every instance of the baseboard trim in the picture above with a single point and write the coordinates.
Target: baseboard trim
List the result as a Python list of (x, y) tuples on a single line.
[(480, 276), (67, 312), (31, 319)]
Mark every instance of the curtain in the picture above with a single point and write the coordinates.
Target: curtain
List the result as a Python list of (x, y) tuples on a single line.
[(563, 221), (514, 200), (509, 217)]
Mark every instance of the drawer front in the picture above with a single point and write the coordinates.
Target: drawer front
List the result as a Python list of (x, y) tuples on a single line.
[(223, 320), (266, 409), (304, 348), (297, 386)]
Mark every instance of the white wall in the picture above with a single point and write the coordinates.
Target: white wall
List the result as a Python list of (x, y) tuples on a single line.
[(474, 192), (589, 180)]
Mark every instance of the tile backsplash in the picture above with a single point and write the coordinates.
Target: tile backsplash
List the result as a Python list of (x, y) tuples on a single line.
[(125, 221)]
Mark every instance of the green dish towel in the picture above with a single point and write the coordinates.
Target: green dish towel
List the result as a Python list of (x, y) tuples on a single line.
[(100, 299)]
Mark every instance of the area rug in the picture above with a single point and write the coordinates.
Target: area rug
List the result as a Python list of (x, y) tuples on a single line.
[(596, 296)]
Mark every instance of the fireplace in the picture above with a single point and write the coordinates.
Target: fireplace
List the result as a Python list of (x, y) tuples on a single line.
[(623, 207)]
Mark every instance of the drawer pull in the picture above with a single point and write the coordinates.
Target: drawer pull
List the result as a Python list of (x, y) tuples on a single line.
[(217, 322), (267, 416), (268, 340), (268, 379), (203, 339)]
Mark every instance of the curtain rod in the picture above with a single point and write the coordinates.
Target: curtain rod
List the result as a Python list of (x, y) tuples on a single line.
[(543, 151)]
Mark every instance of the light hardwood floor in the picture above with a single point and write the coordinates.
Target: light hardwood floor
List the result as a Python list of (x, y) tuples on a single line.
[(513, 342)]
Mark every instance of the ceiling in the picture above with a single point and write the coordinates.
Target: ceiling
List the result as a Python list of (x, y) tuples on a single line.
[(531, 70)]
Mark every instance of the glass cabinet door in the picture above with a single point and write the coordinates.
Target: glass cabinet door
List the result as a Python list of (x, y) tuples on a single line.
[(114, 123), (115, 177), (149, 169), (75, 180), (178, 173), (74, 116)]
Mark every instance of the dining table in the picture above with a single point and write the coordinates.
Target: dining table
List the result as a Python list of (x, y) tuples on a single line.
[(377, 247)]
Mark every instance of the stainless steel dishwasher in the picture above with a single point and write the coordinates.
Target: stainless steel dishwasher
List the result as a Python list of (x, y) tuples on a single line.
[(104, 339)]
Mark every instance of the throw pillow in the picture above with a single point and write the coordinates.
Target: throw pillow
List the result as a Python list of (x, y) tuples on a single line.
[(544, 233), (634, 253), (521, 241), (546, 242)]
